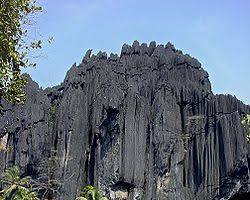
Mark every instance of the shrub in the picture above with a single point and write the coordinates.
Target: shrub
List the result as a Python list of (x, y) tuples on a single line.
[(246, 123), (91, 193), (15, 187)]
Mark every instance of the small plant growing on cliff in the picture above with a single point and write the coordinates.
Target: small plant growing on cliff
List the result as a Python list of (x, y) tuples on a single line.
[(15, 187), (91, 193), (246, 123), (53, 109), (2, 146), (3, 143)]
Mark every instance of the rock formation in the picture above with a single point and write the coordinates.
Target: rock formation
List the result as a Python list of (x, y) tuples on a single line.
[(142, 125)]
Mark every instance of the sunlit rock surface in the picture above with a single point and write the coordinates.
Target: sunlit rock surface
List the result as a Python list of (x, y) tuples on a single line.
[(142, 125)]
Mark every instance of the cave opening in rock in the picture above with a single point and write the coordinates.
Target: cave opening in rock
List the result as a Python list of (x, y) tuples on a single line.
[(109, 130)]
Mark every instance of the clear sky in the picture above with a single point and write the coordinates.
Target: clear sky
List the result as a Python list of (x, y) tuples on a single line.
[(216, 32)]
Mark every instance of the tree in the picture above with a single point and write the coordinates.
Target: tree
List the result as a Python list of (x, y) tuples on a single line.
[(91, 193), (15, 187), (15, 19)]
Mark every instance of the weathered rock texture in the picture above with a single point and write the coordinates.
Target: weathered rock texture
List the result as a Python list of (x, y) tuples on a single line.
[(142, 125)]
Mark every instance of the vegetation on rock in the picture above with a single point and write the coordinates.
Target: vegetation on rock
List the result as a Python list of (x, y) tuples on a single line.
[(246, 123), (16, 17), (91, 193), (15, 187)]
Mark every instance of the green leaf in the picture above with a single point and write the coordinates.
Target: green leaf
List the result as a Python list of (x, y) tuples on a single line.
[(81, 198), (104, 198), (18, 188)]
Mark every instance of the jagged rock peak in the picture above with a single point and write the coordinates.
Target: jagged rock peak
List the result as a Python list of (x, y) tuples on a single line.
[(87, 55), (135, 49), (113, 57), (143, 49), (170, 46), (30, 81), (101, 55)]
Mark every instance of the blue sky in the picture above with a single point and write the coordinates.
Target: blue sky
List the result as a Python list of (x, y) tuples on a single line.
[(216, 32)]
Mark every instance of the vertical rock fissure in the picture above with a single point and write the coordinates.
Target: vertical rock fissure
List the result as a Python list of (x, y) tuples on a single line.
[(136, 134), (222, 157), (184, 175), (123, 147), (91, 153), (15, 141), (147, 156), (89, 167), (182, 105), (92, 161), (196, 166)]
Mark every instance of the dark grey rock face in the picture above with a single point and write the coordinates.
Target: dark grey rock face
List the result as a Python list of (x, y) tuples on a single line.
[(142, 125)]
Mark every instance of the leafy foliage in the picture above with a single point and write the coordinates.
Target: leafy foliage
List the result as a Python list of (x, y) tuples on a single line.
[(91, 193), (15, 187), (15, 18), (53, 109), (246, 123), (3, 143), (2, 148)]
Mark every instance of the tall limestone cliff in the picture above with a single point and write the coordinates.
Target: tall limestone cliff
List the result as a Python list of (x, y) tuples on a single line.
[(142, 125)]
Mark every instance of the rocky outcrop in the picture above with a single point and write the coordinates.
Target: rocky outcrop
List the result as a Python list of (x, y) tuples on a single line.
[(142, 125)]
